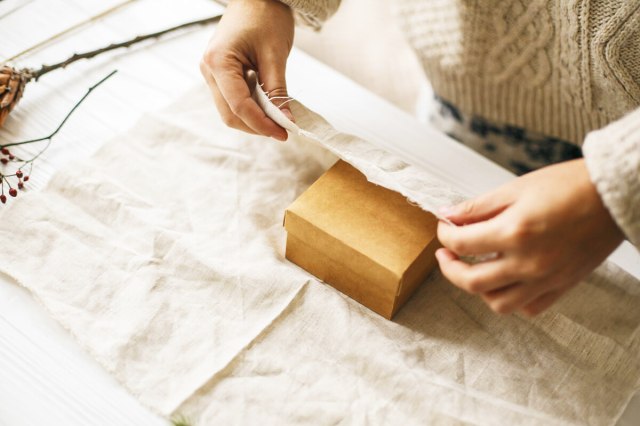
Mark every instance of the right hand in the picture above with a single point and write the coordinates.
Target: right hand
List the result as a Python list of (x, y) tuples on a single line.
[(257, 35)]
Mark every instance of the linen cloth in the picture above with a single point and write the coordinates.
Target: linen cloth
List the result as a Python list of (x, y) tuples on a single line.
[(163, 255)]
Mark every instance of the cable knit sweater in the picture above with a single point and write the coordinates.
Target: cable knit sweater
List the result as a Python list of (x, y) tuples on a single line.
[(564, 68)]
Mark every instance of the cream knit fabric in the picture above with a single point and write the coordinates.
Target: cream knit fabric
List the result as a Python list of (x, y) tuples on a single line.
[(561, 68)]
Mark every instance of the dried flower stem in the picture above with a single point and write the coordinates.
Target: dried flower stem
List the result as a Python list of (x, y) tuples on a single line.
[(36, 74), (71, 111), (8, 157)]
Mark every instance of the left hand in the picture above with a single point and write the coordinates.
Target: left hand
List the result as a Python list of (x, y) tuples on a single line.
[(549, 228)]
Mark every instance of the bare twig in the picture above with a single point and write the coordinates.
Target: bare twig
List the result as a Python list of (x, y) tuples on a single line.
[(71, 111), (36, 74)]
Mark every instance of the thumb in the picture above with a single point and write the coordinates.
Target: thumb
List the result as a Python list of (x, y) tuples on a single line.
[(272, 75), (476, 209)]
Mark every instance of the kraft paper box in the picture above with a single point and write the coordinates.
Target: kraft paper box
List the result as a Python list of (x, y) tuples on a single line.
[(364, 240)]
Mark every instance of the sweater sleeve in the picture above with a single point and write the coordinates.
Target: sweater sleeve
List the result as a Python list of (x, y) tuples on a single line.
[(612, 156), (313, 12)]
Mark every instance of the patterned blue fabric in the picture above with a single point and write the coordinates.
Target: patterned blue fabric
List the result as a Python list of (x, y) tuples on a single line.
[(514, 148)]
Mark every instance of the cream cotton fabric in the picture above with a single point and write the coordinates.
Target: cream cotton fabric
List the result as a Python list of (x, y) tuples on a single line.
[(163, 255)]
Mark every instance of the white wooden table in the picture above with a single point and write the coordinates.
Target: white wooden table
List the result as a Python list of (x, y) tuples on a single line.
[(45, 377)]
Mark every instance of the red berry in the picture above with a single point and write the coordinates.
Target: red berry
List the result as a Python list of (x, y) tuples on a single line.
[(13, 192), (3, 198), (26, 178), (20, 185), (19, 173), (11, 157), (4, 160), (5, 151)]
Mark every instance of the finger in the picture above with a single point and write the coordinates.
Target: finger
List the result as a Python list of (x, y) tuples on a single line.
[(513, 297), (479, 278), (478, 209), (478, 238), (272, 71), (229, 77), (542, 303), (228, 117)]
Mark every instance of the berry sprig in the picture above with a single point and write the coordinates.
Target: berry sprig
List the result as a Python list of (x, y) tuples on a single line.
[(15, 181), (19, 177)]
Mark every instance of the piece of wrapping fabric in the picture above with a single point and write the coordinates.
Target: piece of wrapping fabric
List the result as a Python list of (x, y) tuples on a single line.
[(163, 255), (154, 256), (378, 165)]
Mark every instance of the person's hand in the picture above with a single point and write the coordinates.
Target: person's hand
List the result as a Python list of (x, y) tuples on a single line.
[(549, 229), (257, 35)]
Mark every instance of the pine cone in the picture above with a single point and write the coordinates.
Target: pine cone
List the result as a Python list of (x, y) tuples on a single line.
[(12, 84)]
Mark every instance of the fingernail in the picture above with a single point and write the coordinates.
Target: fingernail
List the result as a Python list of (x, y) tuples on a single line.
[(441, 254), (279, 138), (288, 114), (446, 211)]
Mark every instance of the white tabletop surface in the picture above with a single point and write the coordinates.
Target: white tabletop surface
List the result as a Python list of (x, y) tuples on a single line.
[(45, 377)]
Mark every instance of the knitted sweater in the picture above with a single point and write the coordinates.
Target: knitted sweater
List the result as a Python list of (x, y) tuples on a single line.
[(565, 68)]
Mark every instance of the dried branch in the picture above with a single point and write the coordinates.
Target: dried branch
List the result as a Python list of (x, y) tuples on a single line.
[(36, 74), (13, 81)]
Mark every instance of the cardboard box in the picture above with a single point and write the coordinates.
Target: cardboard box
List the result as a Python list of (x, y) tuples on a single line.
[(364, 240)]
